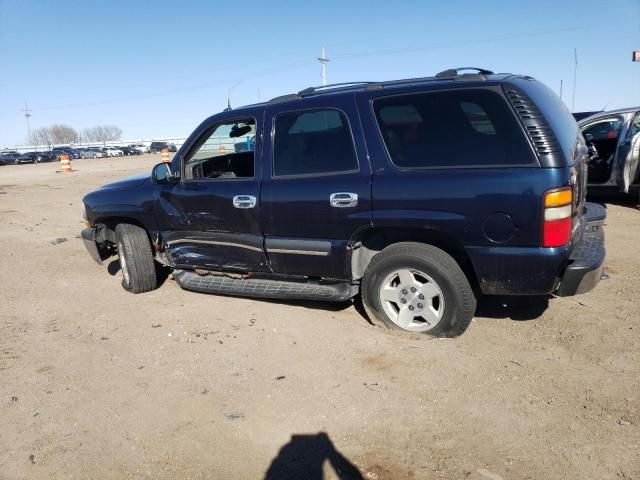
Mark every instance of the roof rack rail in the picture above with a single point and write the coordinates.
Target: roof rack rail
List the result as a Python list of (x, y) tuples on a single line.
[(453, 72), (285, 98), (310, 90)]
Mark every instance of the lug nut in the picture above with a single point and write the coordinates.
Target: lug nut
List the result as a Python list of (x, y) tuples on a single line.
[(403, 300), (413, 289), (421, 297), (410, 307), (404, 291), (420, 305)]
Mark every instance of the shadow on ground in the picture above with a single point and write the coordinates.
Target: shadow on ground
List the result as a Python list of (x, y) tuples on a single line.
[(304, 458), (627, 200), (512, 307)]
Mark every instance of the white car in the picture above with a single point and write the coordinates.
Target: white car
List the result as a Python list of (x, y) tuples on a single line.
[(140, 147), (112, 152)]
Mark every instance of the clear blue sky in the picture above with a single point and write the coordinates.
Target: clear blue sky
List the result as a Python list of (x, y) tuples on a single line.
[(158, 68)]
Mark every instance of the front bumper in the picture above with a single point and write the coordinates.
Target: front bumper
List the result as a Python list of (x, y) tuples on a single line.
[(88, 236), (587, 260)]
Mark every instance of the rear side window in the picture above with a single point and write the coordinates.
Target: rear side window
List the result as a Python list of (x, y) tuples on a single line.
[(466, 128), (313, 142)]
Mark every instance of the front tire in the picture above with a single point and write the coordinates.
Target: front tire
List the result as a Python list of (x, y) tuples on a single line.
[(136, 259), (419, 288)]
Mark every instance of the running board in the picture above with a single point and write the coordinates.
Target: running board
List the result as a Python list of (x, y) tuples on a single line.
[(263, 288)]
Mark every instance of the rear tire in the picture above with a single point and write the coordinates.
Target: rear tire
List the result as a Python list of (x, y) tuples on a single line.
[(136, 259), (419, 288)]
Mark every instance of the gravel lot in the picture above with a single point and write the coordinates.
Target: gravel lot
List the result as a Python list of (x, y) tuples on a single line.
[(99, 383)]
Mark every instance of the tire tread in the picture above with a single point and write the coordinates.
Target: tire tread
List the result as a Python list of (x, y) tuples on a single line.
[(139, 257)]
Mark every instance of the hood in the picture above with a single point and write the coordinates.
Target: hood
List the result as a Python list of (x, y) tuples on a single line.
[(128, 182)]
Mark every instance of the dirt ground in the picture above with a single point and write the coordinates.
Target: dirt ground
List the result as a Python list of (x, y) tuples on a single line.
[(98, 383)]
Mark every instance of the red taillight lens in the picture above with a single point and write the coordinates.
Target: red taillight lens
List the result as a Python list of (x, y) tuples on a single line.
[(556, 233), (556, 217)]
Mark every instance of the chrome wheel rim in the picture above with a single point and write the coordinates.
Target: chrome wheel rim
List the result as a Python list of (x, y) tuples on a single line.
[(123, 263), (412, 300)]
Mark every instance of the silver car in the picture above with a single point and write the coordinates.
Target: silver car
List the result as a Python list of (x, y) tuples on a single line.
[(91, 153), (613, 139)]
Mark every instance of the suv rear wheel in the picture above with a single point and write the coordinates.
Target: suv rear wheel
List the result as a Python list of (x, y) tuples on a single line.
[(418, 288), (136, 259)]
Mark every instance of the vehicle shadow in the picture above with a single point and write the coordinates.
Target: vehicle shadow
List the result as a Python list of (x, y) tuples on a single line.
[(304, 458), (310, 304), (628, 200), (518, 308)]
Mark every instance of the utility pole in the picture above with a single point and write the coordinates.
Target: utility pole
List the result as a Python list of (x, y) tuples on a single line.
[(27, 114), (560, 89), (323, 61), (575, 75)]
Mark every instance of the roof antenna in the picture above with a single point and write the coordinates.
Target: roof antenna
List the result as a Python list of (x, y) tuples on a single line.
[(229, 95)]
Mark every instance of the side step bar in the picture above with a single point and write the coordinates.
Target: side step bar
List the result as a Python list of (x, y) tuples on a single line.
[(263, 288)]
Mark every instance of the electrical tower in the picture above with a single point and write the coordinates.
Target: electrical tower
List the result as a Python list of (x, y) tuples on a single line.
[(323, 61), (27, 114)]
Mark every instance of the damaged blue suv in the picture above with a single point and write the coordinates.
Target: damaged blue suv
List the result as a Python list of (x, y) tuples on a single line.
[(419, 195)]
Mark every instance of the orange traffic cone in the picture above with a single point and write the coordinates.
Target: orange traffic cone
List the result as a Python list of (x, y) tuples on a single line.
[(165, 155), (65, 163)]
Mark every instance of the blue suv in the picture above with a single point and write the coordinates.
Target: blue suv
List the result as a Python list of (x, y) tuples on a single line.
[(419, 195)]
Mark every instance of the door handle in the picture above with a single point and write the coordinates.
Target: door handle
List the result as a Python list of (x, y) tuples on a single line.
[(343, 199), (244, 201)]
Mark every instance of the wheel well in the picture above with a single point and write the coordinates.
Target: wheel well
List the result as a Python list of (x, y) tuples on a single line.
[(373, 241), (109, 224)]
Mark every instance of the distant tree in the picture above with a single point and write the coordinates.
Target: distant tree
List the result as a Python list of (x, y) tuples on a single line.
[(103, 133), (61, 133), (41, 136)]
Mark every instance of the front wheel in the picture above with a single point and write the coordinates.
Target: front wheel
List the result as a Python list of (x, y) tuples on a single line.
[(136, 259), (418, 288)]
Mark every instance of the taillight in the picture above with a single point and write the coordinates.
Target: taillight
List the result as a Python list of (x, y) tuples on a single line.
[(557, 213)]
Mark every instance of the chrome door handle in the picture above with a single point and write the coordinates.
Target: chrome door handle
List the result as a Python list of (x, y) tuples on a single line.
[(244, 201), (343, 199)]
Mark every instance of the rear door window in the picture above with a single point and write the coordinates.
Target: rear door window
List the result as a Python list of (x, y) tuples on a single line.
[(313, 142), (466, 128)]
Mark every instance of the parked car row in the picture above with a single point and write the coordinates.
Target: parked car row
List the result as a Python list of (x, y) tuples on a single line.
[(13, 157), (16, 158)]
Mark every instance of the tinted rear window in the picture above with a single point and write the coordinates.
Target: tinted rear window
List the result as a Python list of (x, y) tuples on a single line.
[(466, 128)]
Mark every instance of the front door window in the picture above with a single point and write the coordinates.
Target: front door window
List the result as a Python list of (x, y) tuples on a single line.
[(225, 152)]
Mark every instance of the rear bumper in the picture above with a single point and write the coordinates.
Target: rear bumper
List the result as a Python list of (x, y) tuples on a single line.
[(587, 260), (88, 236)]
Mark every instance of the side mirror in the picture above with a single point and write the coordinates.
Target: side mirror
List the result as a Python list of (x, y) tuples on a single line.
[(162, 174)]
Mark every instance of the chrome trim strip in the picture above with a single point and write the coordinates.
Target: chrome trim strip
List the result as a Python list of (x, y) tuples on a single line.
[(298, 252), (214, 242)]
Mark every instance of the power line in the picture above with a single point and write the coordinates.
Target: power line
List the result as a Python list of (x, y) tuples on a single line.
[(323, 60), (462, 43)]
